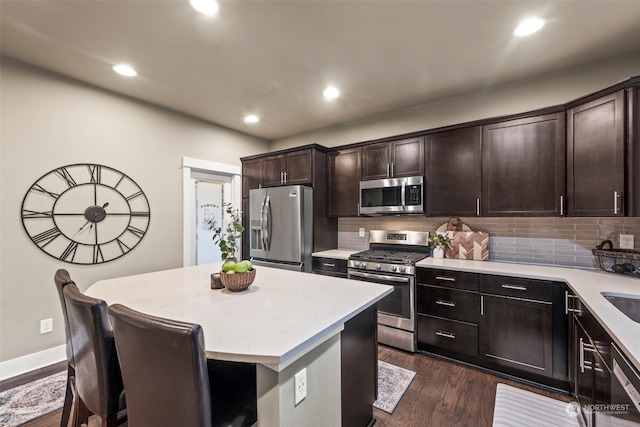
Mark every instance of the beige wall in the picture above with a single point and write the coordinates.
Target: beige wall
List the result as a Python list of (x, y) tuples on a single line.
[(49, 121), (523, 96)]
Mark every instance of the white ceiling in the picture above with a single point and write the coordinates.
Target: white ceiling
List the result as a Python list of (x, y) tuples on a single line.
[(274, 58)]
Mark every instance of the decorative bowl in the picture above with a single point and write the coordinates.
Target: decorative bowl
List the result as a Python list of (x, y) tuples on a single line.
[(238, 281)]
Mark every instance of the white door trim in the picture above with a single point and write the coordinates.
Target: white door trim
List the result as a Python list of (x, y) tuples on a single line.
[(189, 199)]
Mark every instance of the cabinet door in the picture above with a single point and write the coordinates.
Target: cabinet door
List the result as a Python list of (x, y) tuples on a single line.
[(407, 157), (299, 168), (517, 333), (453, 172), (523, 167), (251, 175), (274, 167), (595, 147), (376, 161), (344, 182)]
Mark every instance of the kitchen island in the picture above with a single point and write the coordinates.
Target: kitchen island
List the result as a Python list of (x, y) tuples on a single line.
[(284, 322)]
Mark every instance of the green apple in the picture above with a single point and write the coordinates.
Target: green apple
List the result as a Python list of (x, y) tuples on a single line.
[(248, 264), (228, 266), (240, 267)]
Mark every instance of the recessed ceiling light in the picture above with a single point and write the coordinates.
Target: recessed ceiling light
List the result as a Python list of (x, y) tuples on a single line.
[(331, 93), (251, 118), (208, 7), (528, 26), (125, 70)]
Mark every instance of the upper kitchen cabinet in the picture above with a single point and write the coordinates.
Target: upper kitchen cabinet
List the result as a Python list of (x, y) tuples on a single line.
[(523, 167), (602, 157), (292, 168), (393, 159), (251, 175), (344, 181), (453, 172)]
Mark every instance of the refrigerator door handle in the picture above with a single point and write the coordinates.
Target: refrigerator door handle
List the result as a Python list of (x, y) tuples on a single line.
[(263, 221), (267, 225)]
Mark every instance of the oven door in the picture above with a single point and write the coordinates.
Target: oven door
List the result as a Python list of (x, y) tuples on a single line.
[(398, 308)]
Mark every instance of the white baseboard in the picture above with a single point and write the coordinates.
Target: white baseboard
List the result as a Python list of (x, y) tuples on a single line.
[(30, 362)]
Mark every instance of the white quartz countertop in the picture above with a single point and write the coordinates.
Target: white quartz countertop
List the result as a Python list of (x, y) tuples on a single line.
[(281, 316), (336, 253), (586, 284)]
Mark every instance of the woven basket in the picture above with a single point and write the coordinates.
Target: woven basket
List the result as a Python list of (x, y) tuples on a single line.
[(238, 281), (620, 261)]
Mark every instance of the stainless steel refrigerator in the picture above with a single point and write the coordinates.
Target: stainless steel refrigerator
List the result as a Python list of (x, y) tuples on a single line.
[(281, 227)]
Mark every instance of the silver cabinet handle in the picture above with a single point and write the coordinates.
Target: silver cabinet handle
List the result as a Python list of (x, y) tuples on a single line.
[(388, 171), (477, 207), (326, 264), (392, 172), (616, 208), (481, 305), (561, 205), (281, 177), (285, 177), (446, 334), (568, 310), (447, 303), (447, 278), (581, 350), (514, 287)]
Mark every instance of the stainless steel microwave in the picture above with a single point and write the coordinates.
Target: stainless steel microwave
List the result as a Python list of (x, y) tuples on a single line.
[(392, 196)]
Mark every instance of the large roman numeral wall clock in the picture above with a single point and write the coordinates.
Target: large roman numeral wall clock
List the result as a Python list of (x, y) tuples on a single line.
[(85, 213)]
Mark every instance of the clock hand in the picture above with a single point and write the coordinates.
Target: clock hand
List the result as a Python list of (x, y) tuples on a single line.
[(90, 220)]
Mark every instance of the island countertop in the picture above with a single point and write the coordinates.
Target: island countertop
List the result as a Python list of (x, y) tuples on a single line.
[(279, 317)]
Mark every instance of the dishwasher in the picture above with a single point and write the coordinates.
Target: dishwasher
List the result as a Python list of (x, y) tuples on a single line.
[(625, 395)]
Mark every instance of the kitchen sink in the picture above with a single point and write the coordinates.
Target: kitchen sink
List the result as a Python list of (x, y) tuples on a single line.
[(629, 304)]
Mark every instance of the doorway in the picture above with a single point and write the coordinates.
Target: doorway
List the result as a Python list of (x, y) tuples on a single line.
[(206, 186)]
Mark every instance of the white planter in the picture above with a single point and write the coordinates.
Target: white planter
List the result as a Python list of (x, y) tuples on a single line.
[(438, 252)]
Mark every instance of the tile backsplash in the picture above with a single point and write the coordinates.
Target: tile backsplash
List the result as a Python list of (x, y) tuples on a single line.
[(548, 241)]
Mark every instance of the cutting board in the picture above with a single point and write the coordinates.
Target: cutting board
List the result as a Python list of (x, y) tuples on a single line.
[(465, 243)]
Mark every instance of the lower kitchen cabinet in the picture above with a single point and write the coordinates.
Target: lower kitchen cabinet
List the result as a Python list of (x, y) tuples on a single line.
[(330, 267), (512, 325)]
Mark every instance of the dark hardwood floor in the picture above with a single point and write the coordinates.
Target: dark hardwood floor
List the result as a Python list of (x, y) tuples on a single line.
[(443, 394)]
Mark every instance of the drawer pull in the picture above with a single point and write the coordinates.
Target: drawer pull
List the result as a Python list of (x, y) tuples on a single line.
[(446, 334), (515, 287), (447, 278), (447, 303), (326, 264)]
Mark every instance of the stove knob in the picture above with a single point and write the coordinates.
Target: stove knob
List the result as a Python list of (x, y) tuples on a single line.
[(403, 269), (378, 266), (394, 268), (363, 265)]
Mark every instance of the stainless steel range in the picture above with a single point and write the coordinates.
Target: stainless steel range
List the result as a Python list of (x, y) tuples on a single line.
[(391, 260)]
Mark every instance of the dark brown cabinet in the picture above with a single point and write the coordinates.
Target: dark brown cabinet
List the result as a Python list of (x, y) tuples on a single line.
[(393, 159), (523, 326), (591, 375), (523, 167), (507, 324), (251, 175), (290, 168), (453, 170), (596, 157), (344, 181), (330, 267)]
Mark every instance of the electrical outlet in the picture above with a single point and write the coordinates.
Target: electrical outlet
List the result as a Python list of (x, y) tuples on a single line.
[(361, 232), (46, 326), (626, 241), (300, 381)]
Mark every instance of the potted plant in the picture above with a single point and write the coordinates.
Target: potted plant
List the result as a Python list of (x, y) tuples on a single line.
[(226, 236), (441, 242)]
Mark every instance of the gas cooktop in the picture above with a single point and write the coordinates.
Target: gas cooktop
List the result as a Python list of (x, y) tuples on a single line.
[(376, 255)]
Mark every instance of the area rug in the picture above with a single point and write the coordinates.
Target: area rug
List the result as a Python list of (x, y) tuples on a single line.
[(32, 400), (393, 382), (520, 408)]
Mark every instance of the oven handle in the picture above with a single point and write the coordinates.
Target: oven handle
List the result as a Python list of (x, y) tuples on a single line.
[(381, 277)]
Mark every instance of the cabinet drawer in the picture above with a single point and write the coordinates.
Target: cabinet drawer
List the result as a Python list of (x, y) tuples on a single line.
[(448, 334), (539, 290), (448, 303), (448, 278), (330, 265)]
